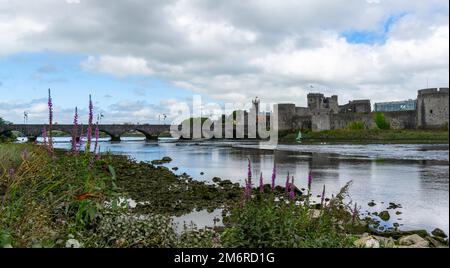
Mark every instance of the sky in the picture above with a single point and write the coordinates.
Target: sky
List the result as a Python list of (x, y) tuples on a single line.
[(140, 59)]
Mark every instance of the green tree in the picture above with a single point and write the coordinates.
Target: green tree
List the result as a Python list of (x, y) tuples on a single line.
[(381, 122), (8, 136)]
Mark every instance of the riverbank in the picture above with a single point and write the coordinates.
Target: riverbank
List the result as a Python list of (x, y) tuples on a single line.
[(371, 136), (80, 200)]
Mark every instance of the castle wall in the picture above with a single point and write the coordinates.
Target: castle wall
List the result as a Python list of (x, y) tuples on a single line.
[(432, 108)]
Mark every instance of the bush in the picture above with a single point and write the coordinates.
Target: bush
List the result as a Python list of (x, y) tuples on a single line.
[(268, 222), (381, 121), (356, 125)]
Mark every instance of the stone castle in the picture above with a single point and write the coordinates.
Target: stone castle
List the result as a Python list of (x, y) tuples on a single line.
[(325, 113)]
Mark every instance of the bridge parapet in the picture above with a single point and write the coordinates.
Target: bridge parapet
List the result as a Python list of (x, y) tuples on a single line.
[(114, 130)]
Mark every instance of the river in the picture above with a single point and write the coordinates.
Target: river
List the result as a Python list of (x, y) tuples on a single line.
[(413, 175)]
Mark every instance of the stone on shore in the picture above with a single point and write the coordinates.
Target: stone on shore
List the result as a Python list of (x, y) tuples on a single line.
[(367, 241), (384, 215), (413, 241), (439, 233)]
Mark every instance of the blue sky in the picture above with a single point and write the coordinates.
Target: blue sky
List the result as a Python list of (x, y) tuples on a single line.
[(156, 57), (377, 36)]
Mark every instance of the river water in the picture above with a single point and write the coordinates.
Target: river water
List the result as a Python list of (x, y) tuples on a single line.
[(413, 175)]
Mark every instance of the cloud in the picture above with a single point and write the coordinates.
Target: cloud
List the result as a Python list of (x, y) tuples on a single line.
[(118, 66), (235, 50)]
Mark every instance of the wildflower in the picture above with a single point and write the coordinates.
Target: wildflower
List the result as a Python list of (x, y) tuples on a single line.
[(274, 175), (323, 196), (89, 129), (75, 131), (11, 172), (310, 179), (50, 121), (291, 190), (286, 186), (261, 183), (249, 172)]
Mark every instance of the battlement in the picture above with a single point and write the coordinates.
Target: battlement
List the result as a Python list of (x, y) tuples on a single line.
[(427, 91)]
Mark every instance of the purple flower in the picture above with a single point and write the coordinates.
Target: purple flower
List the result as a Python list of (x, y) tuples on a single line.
[(75, 131), (261, 184), (310, 179), (323, 196), (286, 186), (274, 176), (89, 129), (249, 171), (292, 190), (50, 121), (11, 172)]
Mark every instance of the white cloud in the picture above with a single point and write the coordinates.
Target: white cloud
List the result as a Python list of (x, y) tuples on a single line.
[(118, 66), (235, 50)]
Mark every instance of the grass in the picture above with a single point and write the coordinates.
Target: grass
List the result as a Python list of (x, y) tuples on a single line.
[(372, 135)]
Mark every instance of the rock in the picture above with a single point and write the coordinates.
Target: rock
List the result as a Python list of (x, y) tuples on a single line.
[(175, 168), (434, 242), (385, 242), (384, 215), (371, 204), (439, 233), (367, 242), (398, 212), (394, 206), (414, 241)]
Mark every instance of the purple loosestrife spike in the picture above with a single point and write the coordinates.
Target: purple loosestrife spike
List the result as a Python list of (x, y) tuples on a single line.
[(75, 131), (292, 190), (323, 196), (50, 121), (274, 176), (89, 129), (310, 179), (261, 184), (249, 173), (286, 186)]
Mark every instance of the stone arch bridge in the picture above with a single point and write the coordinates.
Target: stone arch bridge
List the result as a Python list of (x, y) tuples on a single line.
[(32, 131)]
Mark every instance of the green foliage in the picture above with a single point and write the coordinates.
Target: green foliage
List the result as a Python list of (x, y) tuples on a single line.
[(8, 136), (356, 125), (46, 197), (267, 222), (380, 121)]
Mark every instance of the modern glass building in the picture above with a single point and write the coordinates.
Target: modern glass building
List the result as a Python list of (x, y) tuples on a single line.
[(394, 106)]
